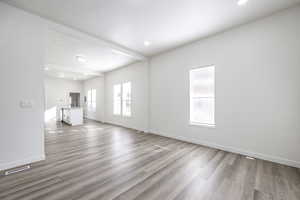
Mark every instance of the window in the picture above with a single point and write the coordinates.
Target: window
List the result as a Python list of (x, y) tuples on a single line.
[(126, 99), (117, 99), (122, 99), (91, 99), (202, 96)]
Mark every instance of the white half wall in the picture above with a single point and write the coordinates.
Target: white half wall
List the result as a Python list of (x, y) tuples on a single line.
[(138, 75), (21, 79), (257, 89), (57, 92), (98, 84)]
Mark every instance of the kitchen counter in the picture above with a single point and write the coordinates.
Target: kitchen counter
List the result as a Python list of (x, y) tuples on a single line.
[(72, 116)]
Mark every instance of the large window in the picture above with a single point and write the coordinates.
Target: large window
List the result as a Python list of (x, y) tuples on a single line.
[(202, 96), (91, 99), (122, 99)]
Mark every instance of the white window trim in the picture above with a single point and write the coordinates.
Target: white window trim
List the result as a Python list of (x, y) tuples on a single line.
[(202, 124), (191, 123)]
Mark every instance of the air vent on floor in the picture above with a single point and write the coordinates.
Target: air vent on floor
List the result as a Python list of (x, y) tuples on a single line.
[(250, 158), (20, 169), (162, 148)]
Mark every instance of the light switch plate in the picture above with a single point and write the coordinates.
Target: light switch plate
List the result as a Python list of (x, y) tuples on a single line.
[(26, 104)]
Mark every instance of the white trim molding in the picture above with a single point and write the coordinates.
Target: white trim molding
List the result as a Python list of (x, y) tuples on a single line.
[(243, 152), (17, 163), (127, 126)]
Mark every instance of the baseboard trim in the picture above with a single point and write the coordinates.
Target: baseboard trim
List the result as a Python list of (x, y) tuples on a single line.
[(95, 120), (261, 156), (17, 163), (126, 126)]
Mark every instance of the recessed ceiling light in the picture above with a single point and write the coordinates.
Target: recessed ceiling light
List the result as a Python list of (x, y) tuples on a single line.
[(242, 2), (147, 43), (46, 68), (80, 59)]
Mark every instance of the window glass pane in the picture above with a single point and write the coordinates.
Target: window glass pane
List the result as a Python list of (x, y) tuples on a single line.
[(202, 82), (202, 95), (89, 97), (94, 98), (94, 95), (117, 107), (117, 92), (202, 111), (127, 91), (127, 108), (117, 100), (126, 98)]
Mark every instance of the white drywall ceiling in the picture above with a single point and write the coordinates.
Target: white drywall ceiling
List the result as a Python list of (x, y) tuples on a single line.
[(165, 24), (63, 49)]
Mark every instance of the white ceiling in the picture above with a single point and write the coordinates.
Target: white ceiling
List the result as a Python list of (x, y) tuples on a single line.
[(165, 23), (63, 48)]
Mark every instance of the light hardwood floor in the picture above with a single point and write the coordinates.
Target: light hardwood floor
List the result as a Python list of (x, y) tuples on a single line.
[(99, 161)]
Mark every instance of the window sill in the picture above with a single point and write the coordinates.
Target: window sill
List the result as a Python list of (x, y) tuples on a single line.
[(202, 125)]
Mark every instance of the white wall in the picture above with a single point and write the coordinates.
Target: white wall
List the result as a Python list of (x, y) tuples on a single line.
[(257, 89), (138, 75), (21, 79), (98, 84), (57, 92)]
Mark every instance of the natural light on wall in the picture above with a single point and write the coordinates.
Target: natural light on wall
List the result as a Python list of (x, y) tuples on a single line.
[(50, 114), (202, 96)]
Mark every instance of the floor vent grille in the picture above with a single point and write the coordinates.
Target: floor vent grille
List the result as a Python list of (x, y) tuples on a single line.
[(161, 147), (20, 169), (250, 158)]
